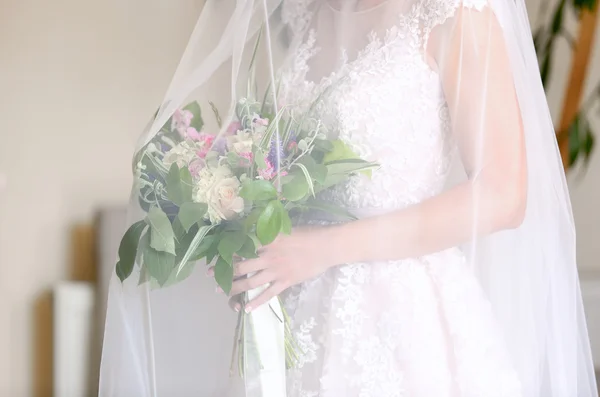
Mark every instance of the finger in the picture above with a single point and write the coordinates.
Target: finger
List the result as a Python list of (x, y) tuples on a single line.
[(210, 272), (234, 303), (264, 297), (250, 266), (246, 284)]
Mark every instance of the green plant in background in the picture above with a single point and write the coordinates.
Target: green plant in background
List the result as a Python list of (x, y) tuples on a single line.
[(580, 134)]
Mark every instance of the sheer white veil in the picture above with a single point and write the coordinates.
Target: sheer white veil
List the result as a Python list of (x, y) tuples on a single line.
[(176, 341)]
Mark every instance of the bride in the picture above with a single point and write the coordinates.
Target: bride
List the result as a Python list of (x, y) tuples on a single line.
[(459, 277)]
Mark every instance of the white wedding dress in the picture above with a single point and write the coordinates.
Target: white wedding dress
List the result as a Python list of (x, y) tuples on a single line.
[(420, 327)]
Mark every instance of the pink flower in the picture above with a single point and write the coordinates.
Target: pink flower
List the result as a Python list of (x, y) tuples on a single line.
[(234, 127), (193, 134), (247, 159), (267, 173), (207, 139), (181, 121), (292, 146), (196, 166), (261, 121), (247, 155)]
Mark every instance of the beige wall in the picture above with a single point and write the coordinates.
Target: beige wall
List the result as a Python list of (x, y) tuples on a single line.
[(78, 78)]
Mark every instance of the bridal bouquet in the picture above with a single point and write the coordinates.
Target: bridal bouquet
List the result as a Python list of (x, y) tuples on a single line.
[(217, 197)]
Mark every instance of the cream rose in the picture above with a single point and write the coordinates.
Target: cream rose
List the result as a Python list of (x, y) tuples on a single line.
[(220, 190), (224, 201)]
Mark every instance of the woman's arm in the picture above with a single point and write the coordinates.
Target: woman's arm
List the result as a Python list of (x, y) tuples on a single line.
[(475, 71)]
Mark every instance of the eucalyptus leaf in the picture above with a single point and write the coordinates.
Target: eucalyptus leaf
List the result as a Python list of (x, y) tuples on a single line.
[(162, 236), (229, 244), (128, 250), (191, 213), (224, 274), (269, 223)]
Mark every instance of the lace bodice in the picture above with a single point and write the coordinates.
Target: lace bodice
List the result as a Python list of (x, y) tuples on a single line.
[(417, 327), (387, 103)]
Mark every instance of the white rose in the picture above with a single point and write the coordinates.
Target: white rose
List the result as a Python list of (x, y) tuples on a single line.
[(220, 190), (224, 201)]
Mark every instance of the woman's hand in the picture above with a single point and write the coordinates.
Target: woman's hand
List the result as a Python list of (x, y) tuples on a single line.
[(288, 261)]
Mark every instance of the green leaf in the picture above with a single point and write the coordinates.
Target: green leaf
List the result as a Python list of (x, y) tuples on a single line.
[(252, 218), (557, 19), (202, 232), (348, 166), (270, 222), (176, 277), (162, 236), (230, 243), (179, 185), (191, 213), (588, 146), (197, 121), (546, 66), (224, 274), (296, 189), (317, 172), (330, 209), (233, 159), (259, 159), (128, 250), (144, 276), (340, 151), (574, 139), (286, 222), (212, 251), (248, 250), (258, 190), (159, 264), (311, 187), (324, 145), (202, 249)]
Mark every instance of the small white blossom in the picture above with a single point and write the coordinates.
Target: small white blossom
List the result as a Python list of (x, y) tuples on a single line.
[(182, 154)]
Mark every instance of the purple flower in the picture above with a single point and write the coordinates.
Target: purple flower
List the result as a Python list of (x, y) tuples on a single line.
[(219, 145), (276, 152)]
